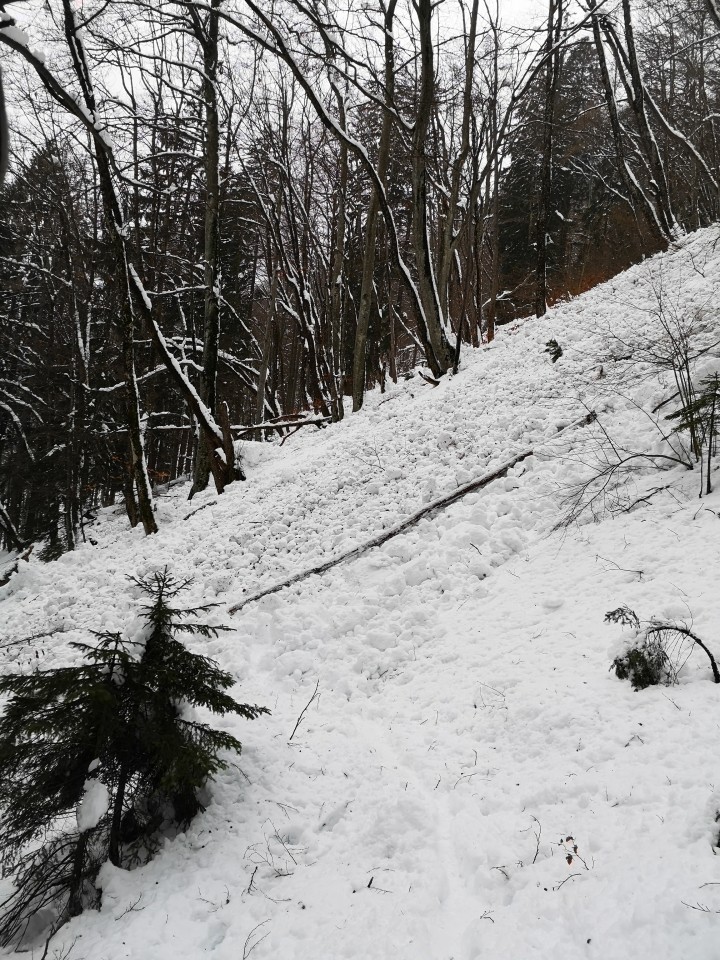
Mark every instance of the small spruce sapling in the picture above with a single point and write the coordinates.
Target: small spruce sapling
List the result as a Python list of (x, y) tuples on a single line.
[(554, 349), (700, 417), (97, 758), (655, 650)]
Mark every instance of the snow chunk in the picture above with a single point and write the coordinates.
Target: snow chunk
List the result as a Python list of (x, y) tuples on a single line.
[(16, 34), (93, 806)]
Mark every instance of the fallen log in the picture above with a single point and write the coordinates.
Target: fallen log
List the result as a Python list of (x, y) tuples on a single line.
[(285, 424), (12, 567), (441, 503)]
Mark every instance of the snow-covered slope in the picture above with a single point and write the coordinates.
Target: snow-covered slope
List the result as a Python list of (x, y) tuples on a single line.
[(465, 722)]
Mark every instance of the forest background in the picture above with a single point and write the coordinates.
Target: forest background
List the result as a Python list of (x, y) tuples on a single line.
[(227, 219)]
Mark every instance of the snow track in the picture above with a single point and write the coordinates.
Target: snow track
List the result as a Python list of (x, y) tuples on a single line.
[(466, 723)]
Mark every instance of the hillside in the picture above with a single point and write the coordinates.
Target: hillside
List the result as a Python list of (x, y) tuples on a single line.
[(466, 722)]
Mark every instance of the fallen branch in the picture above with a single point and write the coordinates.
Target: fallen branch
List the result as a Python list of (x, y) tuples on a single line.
[(198, 509), (619, 569), (656, 628), (441, 503), (664, 403), (6, 644), (646, 499), (571, 877), (607, 481), (284, 424), (12, 567), (249, 947), (304, 711)]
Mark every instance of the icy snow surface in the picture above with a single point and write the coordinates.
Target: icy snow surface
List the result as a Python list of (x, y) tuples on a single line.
[(466, 723)]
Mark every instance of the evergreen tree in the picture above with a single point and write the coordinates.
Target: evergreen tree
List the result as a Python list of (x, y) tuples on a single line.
[(699, 416), (97, 758)]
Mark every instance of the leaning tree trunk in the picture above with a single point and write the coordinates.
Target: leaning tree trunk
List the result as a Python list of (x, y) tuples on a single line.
[(659, 177), (635, 191)]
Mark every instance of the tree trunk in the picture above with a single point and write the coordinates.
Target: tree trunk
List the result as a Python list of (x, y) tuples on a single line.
[(336, 292), (652, 152), (634, 189), (495, 263), (264, 366), (431, 322), (75, 904), (447, 245), (117, 245), (366, 289), (117, 812), (552, 75), (207, 37)]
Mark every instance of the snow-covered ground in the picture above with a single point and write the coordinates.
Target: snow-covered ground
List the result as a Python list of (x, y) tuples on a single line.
[(465, 723)]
